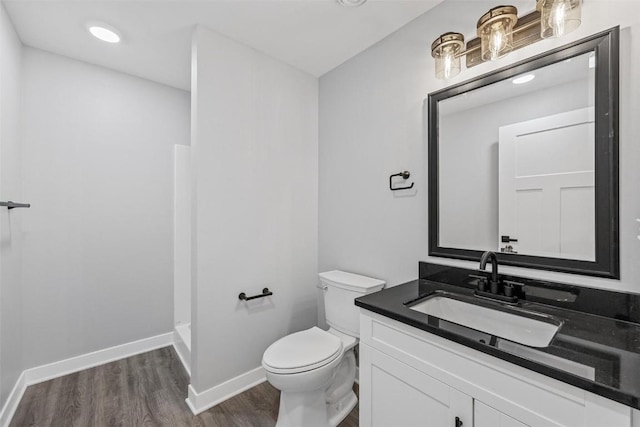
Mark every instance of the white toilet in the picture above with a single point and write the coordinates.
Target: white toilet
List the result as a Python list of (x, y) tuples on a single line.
[(315, 369)]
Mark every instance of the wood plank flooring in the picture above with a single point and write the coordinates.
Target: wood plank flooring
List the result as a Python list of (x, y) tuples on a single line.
[(144, 390)]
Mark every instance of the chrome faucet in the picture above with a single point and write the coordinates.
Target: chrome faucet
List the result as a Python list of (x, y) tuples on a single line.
[(494, 269)]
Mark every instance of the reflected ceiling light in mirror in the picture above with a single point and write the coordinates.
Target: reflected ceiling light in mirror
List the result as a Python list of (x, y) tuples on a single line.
[(495, 30), (500, 31), (446, 50), (104, 32), (558, 17), (523, 79), (352, 3)]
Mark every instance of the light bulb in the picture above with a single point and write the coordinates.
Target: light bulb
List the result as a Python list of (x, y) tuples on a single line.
[(448, 65), (557, 17), (496, 41)]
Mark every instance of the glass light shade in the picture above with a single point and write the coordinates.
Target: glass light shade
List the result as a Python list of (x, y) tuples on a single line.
[(495, 30), (559, 17), (445, 50)]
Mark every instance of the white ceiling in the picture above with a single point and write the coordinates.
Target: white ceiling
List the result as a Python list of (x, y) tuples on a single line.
[(312, 35)]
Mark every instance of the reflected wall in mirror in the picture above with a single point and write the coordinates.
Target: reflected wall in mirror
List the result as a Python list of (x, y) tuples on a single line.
[(523, 162)]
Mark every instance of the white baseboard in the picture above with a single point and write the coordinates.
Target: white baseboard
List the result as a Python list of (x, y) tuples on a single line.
[(13, 400), (200, 402), (85, 361), (75, 364)]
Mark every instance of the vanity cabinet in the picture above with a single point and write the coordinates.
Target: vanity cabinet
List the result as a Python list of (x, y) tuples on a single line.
[(409, 377)]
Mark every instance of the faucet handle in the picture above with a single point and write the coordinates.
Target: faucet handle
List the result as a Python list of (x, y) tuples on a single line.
[(509, 286), (482, 281), (512, 283)]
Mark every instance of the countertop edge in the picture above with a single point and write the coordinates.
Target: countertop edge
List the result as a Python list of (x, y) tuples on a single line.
[(565, 377)]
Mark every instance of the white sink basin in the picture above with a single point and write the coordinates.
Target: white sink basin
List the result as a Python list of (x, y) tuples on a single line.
[(529, 328)]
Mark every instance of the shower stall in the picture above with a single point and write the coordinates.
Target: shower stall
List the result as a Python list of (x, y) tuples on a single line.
[(182, 254)]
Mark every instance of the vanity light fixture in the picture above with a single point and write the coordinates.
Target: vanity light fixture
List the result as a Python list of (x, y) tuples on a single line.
[(500, 31), (523, 79), (104, 32)]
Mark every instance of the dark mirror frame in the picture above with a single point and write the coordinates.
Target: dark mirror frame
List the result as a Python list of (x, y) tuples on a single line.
[(607, 259)]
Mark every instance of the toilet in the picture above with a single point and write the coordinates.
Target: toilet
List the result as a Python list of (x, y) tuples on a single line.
[(315, 369)]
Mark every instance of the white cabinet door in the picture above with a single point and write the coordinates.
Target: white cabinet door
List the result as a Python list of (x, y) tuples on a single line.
[(486, 416), (395, 394)]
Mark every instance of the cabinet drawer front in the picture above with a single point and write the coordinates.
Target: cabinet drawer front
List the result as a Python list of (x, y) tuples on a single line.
[(517, 392)]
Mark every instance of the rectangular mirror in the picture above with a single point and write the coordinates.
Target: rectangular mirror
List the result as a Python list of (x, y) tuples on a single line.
[(524, 162)]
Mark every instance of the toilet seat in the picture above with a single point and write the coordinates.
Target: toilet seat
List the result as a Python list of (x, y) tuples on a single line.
[(302, 351)]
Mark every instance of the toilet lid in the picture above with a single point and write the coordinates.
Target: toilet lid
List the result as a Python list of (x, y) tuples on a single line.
[(302, 351)]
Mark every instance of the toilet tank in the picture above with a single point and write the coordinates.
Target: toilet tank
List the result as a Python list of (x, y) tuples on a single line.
[(340, 289)]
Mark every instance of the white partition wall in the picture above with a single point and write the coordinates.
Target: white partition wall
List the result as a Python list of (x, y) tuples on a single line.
[(11, 222), (255, 164)]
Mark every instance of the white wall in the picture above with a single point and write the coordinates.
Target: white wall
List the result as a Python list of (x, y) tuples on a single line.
[(373, 121), (254, 158), (98, 171), (11, 236)]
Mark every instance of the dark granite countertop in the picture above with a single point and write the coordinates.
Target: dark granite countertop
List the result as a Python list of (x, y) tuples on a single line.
[(596, 349)]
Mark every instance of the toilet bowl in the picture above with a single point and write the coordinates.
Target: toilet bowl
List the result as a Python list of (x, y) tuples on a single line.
[(315, 369)]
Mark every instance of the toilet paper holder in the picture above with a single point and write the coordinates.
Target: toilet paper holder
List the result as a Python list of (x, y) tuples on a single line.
[(404, 175)]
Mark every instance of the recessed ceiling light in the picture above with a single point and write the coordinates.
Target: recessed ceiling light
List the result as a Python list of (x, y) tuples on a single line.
[(352, 3), (104, 32), (523, 79)]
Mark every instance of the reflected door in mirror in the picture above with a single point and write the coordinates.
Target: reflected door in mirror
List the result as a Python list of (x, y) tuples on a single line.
[(547, 186)]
